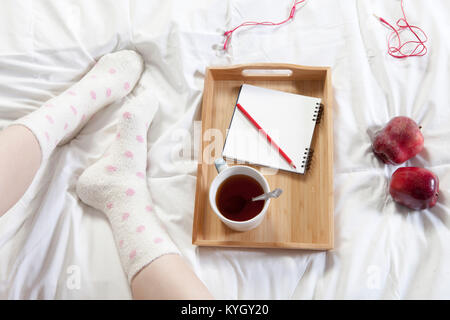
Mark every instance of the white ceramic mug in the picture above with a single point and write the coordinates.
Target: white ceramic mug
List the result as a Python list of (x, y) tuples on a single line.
[(224, 173)]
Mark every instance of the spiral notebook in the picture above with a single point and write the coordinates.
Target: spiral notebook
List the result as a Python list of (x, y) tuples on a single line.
[(289, 119)]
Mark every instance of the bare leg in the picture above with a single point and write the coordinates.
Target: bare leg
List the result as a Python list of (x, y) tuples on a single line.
[(20, 158), (168, 277)]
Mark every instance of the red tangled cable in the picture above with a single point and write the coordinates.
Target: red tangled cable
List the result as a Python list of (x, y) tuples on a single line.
[(398, 51), (266, 23)]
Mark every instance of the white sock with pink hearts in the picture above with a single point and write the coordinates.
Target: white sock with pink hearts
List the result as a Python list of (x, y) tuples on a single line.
[(62, 117), (117, 186)]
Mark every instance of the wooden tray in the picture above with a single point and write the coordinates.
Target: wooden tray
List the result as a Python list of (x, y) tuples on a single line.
[(302, 218)]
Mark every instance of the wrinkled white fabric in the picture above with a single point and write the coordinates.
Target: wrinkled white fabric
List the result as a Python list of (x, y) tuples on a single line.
[(52, 246)]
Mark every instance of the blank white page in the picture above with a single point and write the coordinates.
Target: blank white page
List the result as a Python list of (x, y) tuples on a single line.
[(289, 119)]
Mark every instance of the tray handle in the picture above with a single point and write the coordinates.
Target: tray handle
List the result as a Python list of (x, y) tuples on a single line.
[(269, 71), (266, 72)]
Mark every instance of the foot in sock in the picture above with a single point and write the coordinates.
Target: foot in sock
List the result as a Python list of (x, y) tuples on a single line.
[(117, 186), (60, 118)]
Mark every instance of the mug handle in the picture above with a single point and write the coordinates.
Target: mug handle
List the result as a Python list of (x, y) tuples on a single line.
[(220, 165)]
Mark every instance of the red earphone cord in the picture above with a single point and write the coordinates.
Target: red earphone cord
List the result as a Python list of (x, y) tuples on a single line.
[(266, 23), (397, 51)]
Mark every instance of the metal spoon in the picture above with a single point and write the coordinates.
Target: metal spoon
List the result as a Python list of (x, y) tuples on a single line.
[(272, 194), (236, 204)]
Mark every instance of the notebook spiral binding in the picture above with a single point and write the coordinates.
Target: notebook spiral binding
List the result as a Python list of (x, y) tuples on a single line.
[(318, 113), (307, 157)]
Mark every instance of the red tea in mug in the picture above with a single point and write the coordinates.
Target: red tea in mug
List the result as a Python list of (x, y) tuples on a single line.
[(234, 198)]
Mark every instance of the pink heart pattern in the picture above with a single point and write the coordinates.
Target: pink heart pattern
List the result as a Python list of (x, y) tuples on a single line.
[(127, 115), (111, 168), (50, 119), (129, 154), (140, 175), (74, 110)]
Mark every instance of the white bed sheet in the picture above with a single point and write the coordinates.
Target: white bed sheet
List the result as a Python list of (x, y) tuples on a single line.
[(53, 246)]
